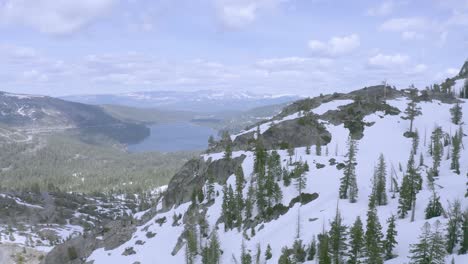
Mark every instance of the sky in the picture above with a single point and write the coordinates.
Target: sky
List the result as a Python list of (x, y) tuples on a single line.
[(303, 47)]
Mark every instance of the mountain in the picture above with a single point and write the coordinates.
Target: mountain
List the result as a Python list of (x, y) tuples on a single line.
[(295, 192), (30, 114), (194, 101)]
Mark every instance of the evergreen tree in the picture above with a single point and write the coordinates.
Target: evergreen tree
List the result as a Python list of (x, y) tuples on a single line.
[(348, 187), (298, 252), (260, 162), (191, 249), (379, 184), (434, 207), (240, 183), (318, 148), (246, 258), (211, 142), (323, 249), (373, 236), (300, 181), (249, 202), (268, 253), (457, 114), (272, 191), (421, 250), (312, 250), (227, 141), (390, 238), (210, 192), (456, 144), (454, 225), (437, 149), (356, 243), (214, 249), (464, 239), (410, 186), (338, 235), (412, 111), (229, 207), (307, 150), (285, 257)]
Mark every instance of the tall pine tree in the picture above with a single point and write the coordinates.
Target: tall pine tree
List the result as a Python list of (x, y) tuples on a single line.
[(373, 235), (454, 225), (338, 236), (379, 184), (390, 238), (356, 243), (348, 186)]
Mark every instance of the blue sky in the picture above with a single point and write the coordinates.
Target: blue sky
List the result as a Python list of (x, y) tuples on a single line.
[(306, 47)]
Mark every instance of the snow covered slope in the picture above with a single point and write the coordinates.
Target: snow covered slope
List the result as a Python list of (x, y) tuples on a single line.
[(159, 240)]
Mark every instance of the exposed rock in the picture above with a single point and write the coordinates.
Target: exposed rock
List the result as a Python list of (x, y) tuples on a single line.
[(193, 175)]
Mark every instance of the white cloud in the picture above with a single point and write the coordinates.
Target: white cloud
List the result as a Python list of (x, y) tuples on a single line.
[(236, 14), (336, 46), (411, 35), (384, 9), (53, 17), (385, 61), (404, 24)]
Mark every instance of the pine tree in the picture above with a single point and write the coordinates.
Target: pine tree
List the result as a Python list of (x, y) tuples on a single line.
[(240, 183), (192, 244), (268, 254), (379, 184), (434, 207), (410, 186), (210, 188), (454, 225), (437, 149), (312, 250), (285, 257), (421, 250), (373, 235), (272, 191), (356, 243), (348, 187), (415, 142), (318, 148), (464, 239), (260, 162), (412, 111), (338, 235), (323, 249), (307, 151), (300, 182), (246, 258), (211, 142), (249, 202), (227, 141), (456, 144), (390, 238), (457, 114), (214, 249)]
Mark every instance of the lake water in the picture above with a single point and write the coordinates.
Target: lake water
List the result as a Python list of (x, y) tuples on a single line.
[(168, 137)]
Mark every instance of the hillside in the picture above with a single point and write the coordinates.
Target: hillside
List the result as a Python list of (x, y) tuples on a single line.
[(374, 118), (29, 115)]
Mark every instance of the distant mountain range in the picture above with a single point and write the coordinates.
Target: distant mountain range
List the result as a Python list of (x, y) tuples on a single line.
[(194, 101)]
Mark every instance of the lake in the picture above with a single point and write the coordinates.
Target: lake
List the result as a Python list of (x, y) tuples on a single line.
[(169, 137)]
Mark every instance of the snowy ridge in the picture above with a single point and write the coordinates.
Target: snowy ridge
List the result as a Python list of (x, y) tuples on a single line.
[(320, 110), (384, 136)]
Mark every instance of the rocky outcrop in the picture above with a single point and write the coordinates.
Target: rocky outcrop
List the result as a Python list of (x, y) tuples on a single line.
[(78, 249), (193, 175)]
